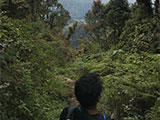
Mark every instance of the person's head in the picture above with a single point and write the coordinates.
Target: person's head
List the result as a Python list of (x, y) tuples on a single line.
[(88, 89)]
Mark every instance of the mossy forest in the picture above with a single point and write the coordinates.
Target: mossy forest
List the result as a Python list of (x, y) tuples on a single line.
[(37, 58)]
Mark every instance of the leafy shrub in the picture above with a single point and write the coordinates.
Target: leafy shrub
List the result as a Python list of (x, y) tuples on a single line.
[(154, 114), (131, 82), (29, 88), (142, 35)]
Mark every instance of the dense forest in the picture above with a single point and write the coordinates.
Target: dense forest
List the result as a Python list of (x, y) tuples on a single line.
[(122, 45)]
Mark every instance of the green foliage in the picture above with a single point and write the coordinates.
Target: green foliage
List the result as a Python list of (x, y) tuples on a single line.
[(34, 55), (105, 22), (116, 13), (131, 82), (30, 58), (157, 7), (144, 9), (142, 36), (29, 88), (118, 25), (155, 111), (93, 18), (49, 10)]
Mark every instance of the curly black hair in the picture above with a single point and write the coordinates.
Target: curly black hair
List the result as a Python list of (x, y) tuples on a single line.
[(87, 89)]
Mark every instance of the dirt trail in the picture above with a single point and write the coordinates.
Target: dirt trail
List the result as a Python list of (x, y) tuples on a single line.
[(72, 101)]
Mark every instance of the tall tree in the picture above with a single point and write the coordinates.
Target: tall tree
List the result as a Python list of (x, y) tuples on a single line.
[(157, 6), (49, 10), (145, 7), (58, 16), (14, 9), (107, 21), (116, 13), (94, 28), (94, 16)]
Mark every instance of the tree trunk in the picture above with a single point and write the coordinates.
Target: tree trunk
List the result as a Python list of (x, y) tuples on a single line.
[(157, 6)]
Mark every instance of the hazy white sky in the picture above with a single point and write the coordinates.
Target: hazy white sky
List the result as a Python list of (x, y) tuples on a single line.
[(131, 1)]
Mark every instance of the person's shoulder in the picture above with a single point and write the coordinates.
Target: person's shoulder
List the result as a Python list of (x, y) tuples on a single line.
[(64, 113), (67, 113), (66, 109)]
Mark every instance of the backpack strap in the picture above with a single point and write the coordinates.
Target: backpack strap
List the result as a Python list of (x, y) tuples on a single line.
[(104, 116), (69, 113)]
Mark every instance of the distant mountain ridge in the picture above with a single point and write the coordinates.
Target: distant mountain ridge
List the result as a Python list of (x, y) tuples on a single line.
[(78, 8)]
